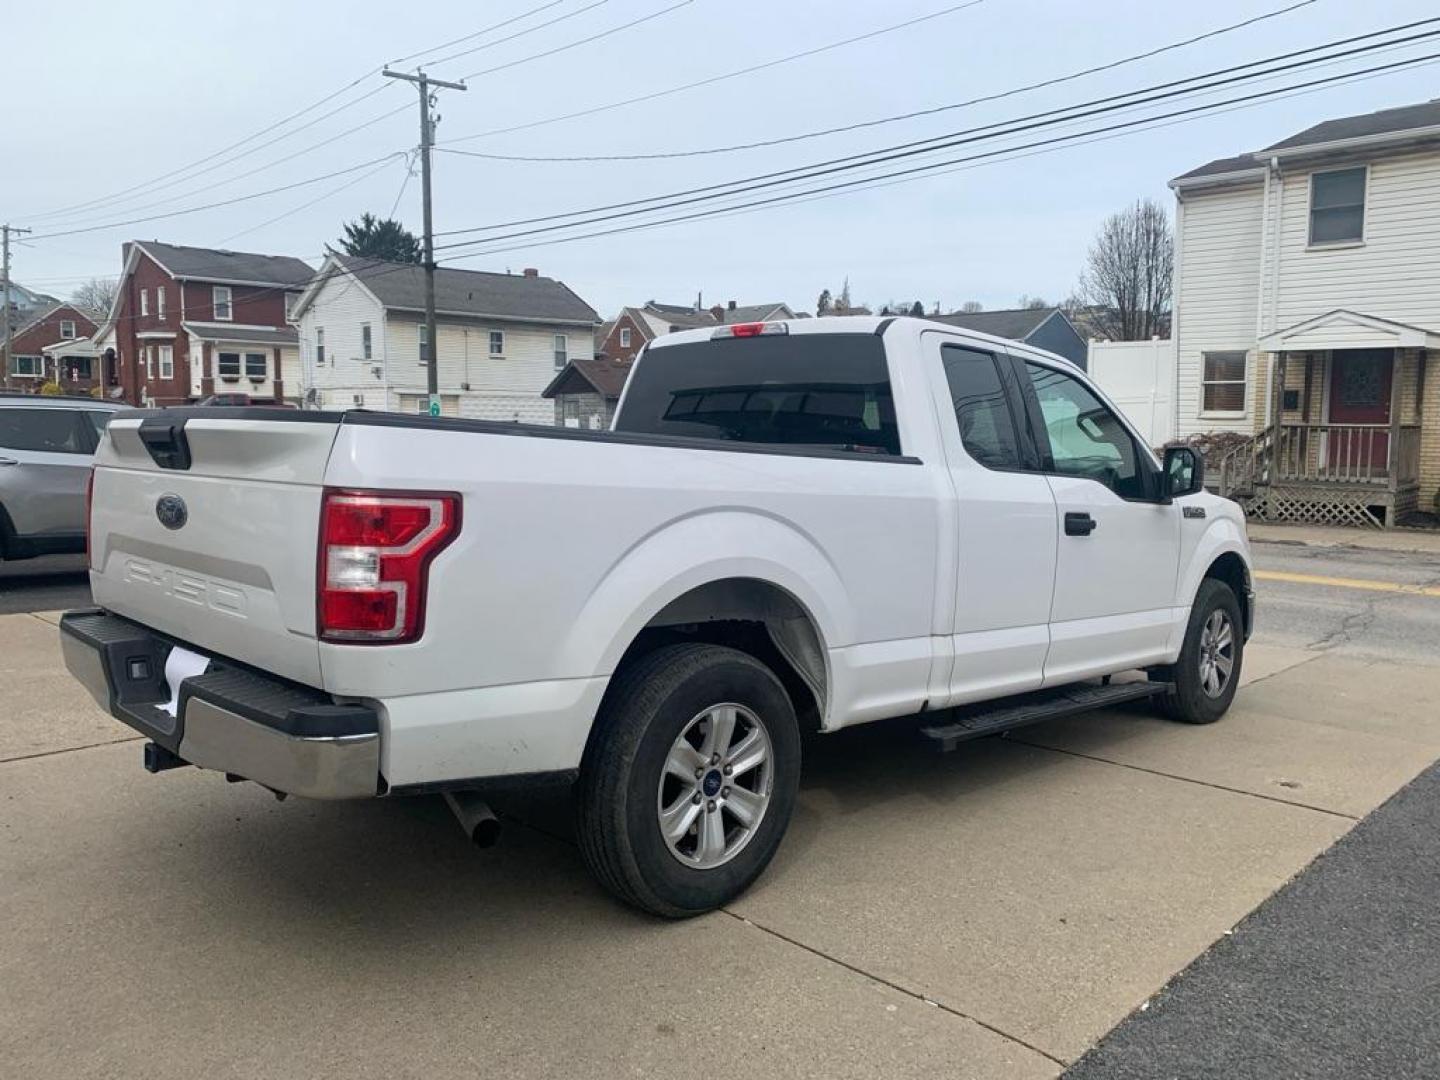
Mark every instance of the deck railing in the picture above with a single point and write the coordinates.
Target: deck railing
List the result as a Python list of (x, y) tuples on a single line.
[(1346, 454)]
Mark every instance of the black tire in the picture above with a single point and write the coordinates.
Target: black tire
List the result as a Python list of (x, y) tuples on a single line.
[(648, 707), (1189, 701)]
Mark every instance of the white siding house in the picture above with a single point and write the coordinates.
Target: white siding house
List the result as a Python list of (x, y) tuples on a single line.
[(502, 338), (1307, 308)]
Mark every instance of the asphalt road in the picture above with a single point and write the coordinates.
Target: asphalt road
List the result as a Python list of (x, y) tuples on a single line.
[(50, 584), (1336, 975)]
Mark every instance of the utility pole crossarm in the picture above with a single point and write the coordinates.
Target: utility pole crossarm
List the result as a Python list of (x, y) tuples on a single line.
[(423, 83)]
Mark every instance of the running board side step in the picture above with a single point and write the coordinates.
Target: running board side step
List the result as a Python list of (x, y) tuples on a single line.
[(967, 723)]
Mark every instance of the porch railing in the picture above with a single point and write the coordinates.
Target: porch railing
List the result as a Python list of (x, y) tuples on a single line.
[(1346, 454)]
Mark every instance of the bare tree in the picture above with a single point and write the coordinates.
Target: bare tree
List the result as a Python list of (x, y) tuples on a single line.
[(1126, 286), (970, 307), (1032, 303), (96, 295)]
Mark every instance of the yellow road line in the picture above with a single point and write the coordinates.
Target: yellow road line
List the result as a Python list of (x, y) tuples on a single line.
[(1347, 583)]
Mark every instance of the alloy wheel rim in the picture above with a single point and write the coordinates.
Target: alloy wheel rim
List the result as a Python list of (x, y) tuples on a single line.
[(716, 786), (1217, 654)]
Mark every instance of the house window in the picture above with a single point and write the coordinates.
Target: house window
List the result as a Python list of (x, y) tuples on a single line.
[(1337, 206), (149, 361), (77, 367), (319, 345), (366, 345), (497, 342), (624, 337), (571, 408), (220, 302), (1223, 382), (562, 350), (291, 299), (227, 365), (144, 301), (167, 362), (255, 366), (160, 301), (67, 330), (32, 366), (424, 340)]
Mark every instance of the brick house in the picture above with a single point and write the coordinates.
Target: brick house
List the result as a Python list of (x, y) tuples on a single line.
[(634, 326), (190, 322), (53, 347), (1307, 317)]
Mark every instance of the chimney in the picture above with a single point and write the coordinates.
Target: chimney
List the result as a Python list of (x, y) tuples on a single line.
[(718, 313), (732, 305), (530, 271)]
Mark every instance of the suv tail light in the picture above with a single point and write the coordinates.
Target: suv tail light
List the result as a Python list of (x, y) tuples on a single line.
[(375, 554)]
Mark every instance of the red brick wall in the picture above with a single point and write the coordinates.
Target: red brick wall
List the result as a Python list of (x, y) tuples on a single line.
[(611, 348), (47, 332)]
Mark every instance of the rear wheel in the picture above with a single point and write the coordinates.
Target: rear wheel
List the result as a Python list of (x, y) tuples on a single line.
[(689, 780), (1207, 673)]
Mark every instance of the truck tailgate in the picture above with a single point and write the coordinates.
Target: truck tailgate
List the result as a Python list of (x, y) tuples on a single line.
[(217, 550)]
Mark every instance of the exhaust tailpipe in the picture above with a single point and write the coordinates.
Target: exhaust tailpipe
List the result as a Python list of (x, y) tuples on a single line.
[(475, 817)]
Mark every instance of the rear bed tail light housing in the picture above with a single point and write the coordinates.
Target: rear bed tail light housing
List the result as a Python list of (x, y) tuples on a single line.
[(375, 553), (749, 329)]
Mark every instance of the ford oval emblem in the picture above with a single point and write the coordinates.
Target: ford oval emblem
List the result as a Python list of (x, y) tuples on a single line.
[(171, 511)]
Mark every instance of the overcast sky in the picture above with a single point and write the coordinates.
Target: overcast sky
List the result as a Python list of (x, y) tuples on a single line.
[(105, 97)]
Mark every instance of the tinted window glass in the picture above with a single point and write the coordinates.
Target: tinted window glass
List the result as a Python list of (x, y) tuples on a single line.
[(50, 431), (1086, 438), (829, 391), (987, 429), (99, 420)]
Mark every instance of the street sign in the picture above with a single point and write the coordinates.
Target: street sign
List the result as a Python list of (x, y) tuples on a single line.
[(434, 404)]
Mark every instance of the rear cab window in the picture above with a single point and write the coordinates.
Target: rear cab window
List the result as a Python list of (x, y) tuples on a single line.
[(817, 391), (46, 431)]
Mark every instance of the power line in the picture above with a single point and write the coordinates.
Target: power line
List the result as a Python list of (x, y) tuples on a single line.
[(716, 78), (522, 33), (471, 36), (760, 144), (313, 202), (185, 172), (224, 202), (583, 41), (1191, 111), (1096, 106), (404, 183)]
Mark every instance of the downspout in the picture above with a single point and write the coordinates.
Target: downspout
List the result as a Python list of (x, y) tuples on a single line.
[(1179, 278), (1270, 282)]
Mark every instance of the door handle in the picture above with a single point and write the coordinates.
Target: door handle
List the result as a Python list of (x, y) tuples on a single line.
[(1079, 524)]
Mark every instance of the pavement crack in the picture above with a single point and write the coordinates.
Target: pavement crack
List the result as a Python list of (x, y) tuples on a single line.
[(1185, 779), (899, 989), (1351, 626), (70, 749)]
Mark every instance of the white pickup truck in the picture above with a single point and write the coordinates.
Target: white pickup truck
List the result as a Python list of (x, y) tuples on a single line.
[(809, 524)]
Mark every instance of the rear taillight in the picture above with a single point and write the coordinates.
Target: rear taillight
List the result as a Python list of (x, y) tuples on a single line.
[(89, 504), (375, 554)]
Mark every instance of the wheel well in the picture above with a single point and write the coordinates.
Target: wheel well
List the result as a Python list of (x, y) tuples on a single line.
[(755, 617), (1230, 569)]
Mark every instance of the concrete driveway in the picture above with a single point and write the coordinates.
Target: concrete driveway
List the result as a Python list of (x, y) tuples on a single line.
[(987, 914)]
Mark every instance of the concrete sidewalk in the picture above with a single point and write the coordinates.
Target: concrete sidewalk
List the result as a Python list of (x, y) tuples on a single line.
[(1421, 540), (989, 914)]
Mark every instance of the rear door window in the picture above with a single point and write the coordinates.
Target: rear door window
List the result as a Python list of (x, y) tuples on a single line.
[(46, 431), (982, 411), (823, 391)]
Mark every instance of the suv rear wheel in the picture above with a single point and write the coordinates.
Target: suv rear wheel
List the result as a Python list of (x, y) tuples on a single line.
[(689, 780), (1207, 673)]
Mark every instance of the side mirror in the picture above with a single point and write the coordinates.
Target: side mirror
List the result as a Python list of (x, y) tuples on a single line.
[(1183, 473)]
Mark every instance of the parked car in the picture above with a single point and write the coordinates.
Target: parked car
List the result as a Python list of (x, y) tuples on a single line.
[(46, 445), (817, 523)]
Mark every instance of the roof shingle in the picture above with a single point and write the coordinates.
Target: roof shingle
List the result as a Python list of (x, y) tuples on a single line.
[(214, 264), (479, 293)]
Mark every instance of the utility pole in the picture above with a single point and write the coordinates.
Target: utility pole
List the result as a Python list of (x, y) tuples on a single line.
[(5, 231), (427, 137)]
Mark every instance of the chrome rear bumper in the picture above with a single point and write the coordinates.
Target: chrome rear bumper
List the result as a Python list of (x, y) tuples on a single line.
[(287, 737)]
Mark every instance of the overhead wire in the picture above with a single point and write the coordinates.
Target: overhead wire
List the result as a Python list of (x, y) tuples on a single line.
[(896, 118), (1095, 106)]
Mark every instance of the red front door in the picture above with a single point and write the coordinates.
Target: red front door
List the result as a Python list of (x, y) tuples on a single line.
[(1360, 382)]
